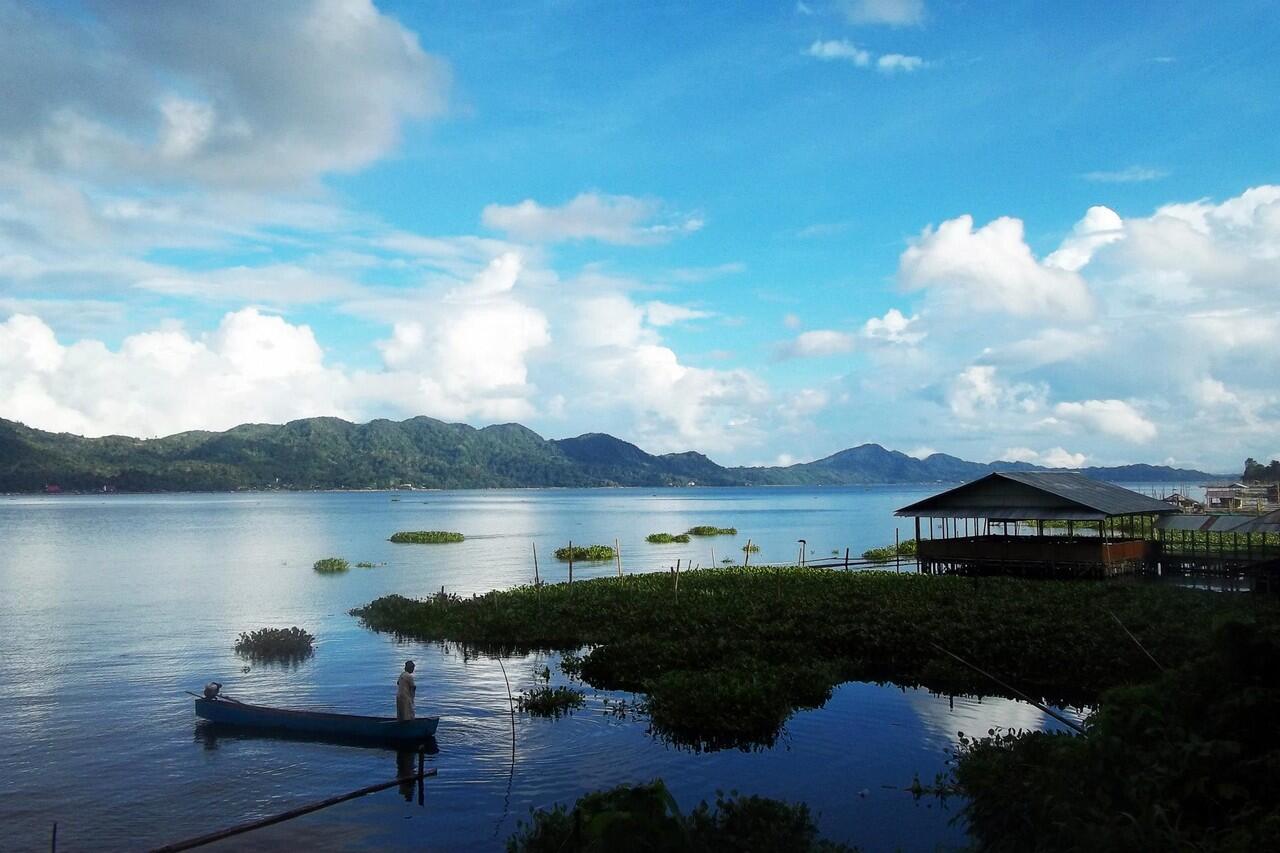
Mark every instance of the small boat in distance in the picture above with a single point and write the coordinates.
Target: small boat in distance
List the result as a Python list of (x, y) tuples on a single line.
[(226, 711)]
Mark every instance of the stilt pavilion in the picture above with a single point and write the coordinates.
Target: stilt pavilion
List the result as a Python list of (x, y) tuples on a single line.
[(1036, 523)]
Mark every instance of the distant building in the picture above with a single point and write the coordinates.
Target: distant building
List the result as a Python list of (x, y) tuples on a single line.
[(52, 489), (1235, 497)]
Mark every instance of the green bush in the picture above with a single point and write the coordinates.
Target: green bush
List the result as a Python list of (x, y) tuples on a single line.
[(586, 553), (666, 538), (708, 530), (426, 537), (642, 818), (331, 565), (285, 644)]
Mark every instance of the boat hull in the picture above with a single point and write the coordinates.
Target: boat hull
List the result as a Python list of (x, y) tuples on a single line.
[(384, 729)]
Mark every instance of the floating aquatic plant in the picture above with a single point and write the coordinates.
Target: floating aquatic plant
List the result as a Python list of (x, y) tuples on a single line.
[(586, 553), (279, 644), (331, 565), (666, 538), (709, 530), (751, 547), (906, 548), (426, 537)]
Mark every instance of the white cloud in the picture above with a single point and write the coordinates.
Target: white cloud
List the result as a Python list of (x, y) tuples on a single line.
[(259, 94), (978, 392), (923, 452), (991, 269), (894, 327), (791, 321), (894, 63), (1110, 417), (620, 219), (1099, 227), (818, 342), (842, 50), (897, 13), (1128, 175), (666, 314), (1055, 457)]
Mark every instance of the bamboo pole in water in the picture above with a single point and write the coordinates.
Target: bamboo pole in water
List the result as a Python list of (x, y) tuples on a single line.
[(617, 553), (536, 581), (571, 566), (746, 554)]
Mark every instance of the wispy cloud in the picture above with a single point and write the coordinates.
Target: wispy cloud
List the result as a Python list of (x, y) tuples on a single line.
[(843, 50), (1130, 175), (895, 13)]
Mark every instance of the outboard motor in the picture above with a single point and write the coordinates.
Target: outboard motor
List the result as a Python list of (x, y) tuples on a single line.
[(211, 690)]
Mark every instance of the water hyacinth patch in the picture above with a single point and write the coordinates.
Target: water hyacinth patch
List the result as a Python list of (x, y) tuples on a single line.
[(331, 565), (906, 548), (709, 530), (426, 537), (586, 553), (728, 660), (666, 538), (275, 644), (750, 548)]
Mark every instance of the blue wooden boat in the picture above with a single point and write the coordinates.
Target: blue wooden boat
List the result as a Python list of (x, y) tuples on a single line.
[(385, 729)]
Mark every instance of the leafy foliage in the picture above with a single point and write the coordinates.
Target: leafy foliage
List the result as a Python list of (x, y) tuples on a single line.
[(1187, 761), (666, 538), (642, 818), (1256, 472), (547, 701), (426, 537), (708, 530), (275, 644), (726, 662), (906, 548), (586, 553), (331, 565)]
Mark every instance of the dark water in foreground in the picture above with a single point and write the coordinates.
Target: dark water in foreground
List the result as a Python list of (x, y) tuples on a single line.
[(111, 606)]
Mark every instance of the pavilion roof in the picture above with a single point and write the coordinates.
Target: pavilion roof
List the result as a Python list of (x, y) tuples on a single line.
[(1032, 495)]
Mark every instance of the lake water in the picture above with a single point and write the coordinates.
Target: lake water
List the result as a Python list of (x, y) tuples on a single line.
[(111, 606)]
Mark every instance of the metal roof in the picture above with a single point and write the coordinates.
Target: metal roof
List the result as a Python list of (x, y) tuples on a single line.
[(1222, 523), (1045, 495)]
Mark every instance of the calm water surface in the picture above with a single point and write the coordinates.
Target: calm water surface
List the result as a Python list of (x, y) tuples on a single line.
[(112, 606)]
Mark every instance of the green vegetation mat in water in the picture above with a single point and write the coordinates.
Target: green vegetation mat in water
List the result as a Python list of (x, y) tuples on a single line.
[(426, 537), (331, 565), (727, 660), (666, 538), (643, 818), (708, 530), (586, 553), (275, 644), (906, 548)]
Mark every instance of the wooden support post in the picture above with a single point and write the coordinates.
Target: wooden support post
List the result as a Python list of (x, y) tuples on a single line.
[(746, 554), (846, 551), (536, 580), (570, 565), (617, 553), (897, 552)]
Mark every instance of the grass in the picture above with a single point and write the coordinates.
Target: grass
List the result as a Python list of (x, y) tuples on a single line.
[(666, 538), (331, 565), (727, 661), (275, 644), (426, 537), (906, 548), (586, 553), (1186, 761), (635, 818), (708, 530)]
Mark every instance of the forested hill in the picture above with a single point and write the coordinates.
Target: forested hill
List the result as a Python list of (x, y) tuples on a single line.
[(329, 453)]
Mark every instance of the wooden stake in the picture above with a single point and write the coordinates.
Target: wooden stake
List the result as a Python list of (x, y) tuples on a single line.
[(617, 553), (570, 565), (846, 558), (746, 554), (536, 581), (897, 552)]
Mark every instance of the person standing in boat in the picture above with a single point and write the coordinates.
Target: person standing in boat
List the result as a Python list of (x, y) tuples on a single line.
[(406, 692)]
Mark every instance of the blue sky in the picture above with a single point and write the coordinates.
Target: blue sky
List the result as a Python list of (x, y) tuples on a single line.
[(765, 231)]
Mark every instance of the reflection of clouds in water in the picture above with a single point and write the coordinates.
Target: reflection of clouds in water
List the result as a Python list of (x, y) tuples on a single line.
[(945, 716)]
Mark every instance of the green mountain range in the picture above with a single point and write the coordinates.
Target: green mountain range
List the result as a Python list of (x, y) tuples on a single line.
[(329, 453)]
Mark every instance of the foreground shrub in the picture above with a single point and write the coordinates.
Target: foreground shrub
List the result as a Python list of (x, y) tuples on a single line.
[(426, 537), (635, 818), (284, 644), (906, 548), (331, 565), (708, 530), (586, 553), (666, 538), (1188, 761)]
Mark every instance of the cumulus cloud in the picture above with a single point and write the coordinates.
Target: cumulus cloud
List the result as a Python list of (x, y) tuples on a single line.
[(894, 327), (818, 342), (620, 219), (242, 94), (842, 50), (897, 13), (1055, 457), (1110, 417), (991, 269), (895, 63)]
